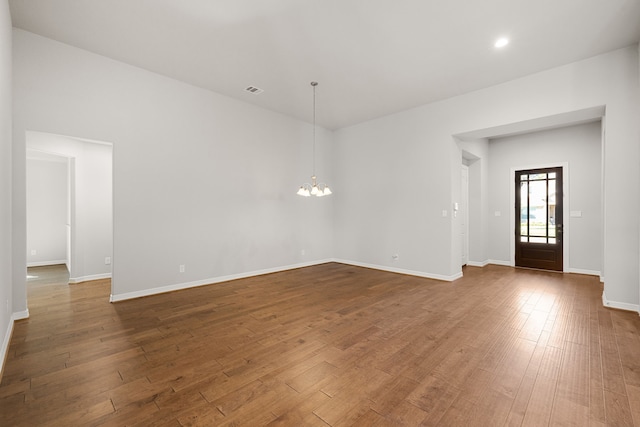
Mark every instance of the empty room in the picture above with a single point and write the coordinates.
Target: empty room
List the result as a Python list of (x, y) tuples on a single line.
[(322, 213)]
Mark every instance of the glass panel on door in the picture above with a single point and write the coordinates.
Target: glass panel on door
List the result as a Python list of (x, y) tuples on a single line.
[(537, 208)]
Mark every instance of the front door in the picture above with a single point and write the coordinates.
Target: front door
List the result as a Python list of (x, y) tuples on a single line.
[(539, 218)]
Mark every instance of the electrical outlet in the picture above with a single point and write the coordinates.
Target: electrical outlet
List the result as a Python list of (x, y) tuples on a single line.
[(33, 252), (107, 260), (302, 252), (181, 268)]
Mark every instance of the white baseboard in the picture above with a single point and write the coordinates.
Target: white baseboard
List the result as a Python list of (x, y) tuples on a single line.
[(401, 270), (500, 262), (89, 278), (21, 315), (210, 281), (478, 263), (46, 263), (582, 271), (619, 305), (4, 350), (508, 264)]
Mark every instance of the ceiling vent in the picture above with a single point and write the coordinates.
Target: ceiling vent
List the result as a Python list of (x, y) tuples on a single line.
[(254, 90)]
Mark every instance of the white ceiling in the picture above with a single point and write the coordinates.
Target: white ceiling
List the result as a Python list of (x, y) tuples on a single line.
[(370, 57)]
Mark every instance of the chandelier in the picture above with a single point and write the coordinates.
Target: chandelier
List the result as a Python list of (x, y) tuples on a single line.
[(314, 189)]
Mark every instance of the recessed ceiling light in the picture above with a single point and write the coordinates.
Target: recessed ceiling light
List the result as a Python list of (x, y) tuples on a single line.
[(501, 42)]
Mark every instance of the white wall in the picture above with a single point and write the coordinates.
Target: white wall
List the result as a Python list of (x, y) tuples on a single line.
[(6, 305), (199, 179), (46, 212), (580, 147), (91, 205), (394, 182), (414, 159)]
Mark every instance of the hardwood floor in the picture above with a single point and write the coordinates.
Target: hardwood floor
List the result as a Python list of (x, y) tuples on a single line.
[(329, 345)]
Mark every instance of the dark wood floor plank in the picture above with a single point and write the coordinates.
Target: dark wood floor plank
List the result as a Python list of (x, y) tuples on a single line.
[(538, 412), (434, 396), (596, 386), (573, 382), (299, 411), (521, 402), (328, 345), (633, 393), (613, 378), (617, 409)]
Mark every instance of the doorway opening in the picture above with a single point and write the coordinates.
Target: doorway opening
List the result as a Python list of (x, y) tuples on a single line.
[(574, 138), (84, 231)]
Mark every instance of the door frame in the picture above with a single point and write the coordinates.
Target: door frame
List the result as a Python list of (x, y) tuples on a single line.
[(565, 212), (464, 214)]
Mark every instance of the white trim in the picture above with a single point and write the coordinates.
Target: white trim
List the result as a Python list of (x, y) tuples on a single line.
[(508, 264), (89, 278), (582, 271), (619, 305), (464, 188), (500, 262), (214, 280), (478, 263), (4, 350), (19, 315), (603, 194), (46, 263), (402, 271), (565, 212), (210, 281)]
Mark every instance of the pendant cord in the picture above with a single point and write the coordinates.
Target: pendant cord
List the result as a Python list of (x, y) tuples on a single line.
[(314, 84)]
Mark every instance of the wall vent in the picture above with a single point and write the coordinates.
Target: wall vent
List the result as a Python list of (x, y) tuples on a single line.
[(254, 90)]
